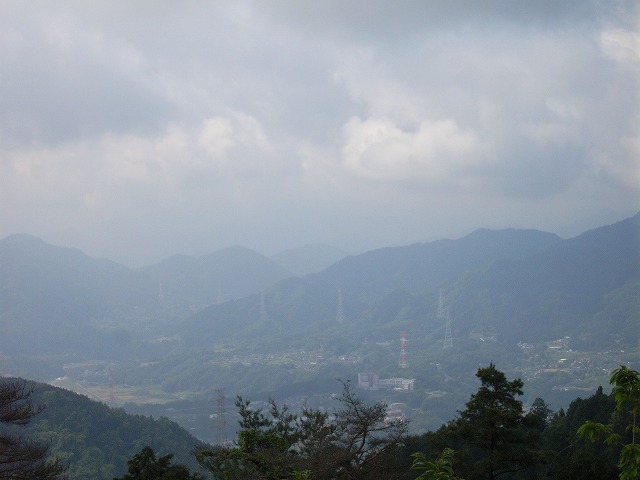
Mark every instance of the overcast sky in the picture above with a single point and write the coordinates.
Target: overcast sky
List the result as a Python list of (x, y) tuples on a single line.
[(138, 129)]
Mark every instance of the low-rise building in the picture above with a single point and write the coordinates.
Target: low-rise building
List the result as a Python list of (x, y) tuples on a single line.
[(372, 381)]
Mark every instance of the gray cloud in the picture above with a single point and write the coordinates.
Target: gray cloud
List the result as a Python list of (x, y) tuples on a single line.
[(139, 129)]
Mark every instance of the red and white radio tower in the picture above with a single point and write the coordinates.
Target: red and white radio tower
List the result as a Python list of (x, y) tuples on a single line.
[(403, 351)]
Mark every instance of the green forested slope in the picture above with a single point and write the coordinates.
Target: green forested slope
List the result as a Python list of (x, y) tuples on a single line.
[(97, 440)]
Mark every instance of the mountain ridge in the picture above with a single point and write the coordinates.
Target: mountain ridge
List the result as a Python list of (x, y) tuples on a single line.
[(519, 280), (52, 297)]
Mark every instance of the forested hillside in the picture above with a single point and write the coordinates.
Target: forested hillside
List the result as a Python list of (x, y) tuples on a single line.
[(95, 440), (61, 303), (559, 312), (492, 436), (52, 298), (519, 285)]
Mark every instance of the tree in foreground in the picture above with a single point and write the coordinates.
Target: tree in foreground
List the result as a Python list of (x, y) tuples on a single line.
[(493, 436), (20, 457), (357, 442), (572, 459), (145, 466), (440, 469), (365, 439), (626, 392)]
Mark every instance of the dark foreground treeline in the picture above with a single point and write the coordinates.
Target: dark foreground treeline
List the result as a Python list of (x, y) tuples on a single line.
[(493, 437)]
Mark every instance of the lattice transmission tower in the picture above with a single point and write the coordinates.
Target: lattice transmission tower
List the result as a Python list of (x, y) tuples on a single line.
[(221, 422), (403, 350), (443, 314)]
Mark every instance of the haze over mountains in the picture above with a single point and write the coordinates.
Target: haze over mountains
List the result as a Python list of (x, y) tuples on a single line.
[(223, 275), (559, 313), (181, 152), (53, 296), (523, 285)]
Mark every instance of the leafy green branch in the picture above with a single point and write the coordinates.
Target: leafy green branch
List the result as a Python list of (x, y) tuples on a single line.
[(626, 392)]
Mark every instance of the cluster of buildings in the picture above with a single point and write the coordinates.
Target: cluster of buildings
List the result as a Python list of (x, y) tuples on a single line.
[(372, 381)]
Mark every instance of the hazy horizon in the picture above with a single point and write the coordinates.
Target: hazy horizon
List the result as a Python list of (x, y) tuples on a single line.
[(135, 131), (138, 264)]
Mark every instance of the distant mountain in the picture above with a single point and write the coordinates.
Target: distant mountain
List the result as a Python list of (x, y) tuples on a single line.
[(309, 258), (309, 304), (275, 333), (562, 290), (224, 275), (60, 300), (96, 440), (52, 298), (423, 266), (31, 264), (512, 285), (516, 285)]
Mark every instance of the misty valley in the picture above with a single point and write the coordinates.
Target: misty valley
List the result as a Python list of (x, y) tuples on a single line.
[(407, 327), (320, 240)]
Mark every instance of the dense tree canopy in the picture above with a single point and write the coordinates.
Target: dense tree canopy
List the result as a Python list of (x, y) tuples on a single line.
[(95, 440), (573, 458), (493, 436), (21, 457), (626, 393), (145, 466)]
